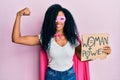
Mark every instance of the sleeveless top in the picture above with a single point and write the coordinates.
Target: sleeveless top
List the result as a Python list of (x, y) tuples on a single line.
[(60, 57)]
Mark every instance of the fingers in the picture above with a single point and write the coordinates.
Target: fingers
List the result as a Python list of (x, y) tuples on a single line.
[(107, 50), (24, 12)]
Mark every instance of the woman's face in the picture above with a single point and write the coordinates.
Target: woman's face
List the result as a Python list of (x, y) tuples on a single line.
[(60, 21)]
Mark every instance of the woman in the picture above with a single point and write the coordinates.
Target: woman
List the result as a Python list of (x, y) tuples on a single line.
[(58, 38)]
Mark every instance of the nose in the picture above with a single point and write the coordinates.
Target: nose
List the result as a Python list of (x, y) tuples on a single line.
[(57, 21)]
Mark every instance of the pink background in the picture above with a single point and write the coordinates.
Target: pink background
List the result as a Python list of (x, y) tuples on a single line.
[(19, 62)]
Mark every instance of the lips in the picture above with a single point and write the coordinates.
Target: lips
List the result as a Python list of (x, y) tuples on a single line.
[(58, 26)]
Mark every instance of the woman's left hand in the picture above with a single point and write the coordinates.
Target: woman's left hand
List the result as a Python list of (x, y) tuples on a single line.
[(107, 49)]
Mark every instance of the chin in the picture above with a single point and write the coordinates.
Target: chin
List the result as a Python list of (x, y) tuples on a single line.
[(58, 29)]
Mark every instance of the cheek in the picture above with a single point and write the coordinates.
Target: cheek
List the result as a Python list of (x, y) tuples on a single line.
[(63, 24)]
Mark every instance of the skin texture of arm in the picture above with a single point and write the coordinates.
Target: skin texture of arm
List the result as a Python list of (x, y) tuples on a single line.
[(16, 34), (78, 51)]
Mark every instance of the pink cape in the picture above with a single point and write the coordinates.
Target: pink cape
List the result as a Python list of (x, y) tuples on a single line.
[(81, 68)]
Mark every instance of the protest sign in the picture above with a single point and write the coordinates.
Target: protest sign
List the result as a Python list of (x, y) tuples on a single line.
[(92, 45)]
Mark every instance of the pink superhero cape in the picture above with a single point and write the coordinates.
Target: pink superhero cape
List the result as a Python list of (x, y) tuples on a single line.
[(81, 68)]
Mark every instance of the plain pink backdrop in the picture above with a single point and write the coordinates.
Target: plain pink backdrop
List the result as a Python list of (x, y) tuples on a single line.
[(19, 62)]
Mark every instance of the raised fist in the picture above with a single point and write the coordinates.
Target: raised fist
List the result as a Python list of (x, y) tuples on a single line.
[(24, 12)]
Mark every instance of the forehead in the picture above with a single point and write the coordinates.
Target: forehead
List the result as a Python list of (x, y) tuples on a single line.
[(60, 13)]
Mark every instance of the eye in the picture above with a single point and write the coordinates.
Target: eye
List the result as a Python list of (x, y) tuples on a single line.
[(62, 18)]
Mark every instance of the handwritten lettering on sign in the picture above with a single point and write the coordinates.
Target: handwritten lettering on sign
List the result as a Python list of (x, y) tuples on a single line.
[(92, 45)]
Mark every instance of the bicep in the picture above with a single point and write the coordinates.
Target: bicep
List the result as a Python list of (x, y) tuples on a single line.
[(28, 40)]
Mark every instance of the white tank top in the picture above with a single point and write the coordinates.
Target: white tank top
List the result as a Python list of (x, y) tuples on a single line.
[(60, 58)]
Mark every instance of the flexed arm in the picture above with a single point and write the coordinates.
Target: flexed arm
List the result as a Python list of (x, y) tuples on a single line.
[(16, 34)]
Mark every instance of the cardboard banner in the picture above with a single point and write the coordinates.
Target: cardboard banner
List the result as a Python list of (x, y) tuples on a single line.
[(92, 45)]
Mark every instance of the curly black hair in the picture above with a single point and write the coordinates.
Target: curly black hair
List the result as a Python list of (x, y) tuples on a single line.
[(49, 27)]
